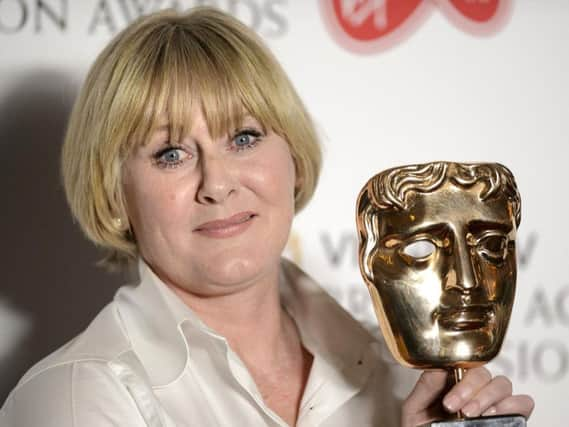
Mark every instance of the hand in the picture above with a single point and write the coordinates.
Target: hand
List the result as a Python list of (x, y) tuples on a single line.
[(477, 394)]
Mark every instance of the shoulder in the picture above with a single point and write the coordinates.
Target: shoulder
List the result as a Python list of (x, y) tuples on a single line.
[(360, 359), (390, 375), (83, 393), (318, 315), (76, 385), (304, 294), (103, 340), (325, 319)]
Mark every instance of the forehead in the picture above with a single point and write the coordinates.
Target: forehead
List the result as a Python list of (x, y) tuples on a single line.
[(169, 87), (454, 206)]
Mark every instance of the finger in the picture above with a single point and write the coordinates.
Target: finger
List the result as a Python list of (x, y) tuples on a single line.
[(461, 393), (519, 404), (491, 394), (427, 389)]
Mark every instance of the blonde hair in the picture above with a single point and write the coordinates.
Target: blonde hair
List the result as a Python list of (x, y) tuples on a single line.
[(165, 63)]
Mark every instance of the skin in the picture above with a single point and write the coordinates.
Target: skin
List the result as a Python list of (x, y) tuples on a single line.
[(228, 274), (199, 180), (477, 394)]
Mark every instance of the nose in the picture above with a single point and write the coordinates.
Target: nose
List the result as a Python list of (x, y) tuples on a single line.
[(217, 181), (462, 276)]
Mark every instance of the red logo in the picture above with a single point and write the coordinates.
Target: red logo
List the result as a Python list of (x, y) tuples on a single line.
[(367, 26)]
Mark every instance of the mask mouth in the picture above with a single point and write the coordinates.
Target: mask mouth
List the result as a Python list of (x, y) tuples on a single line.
[(465, 318)]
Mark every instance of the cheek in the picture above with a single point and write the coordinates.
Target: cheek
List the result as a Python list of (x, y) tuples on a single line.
[(273, 179), (505, 283), (384, 264), (405, 305), (153, 205), (389, 265)]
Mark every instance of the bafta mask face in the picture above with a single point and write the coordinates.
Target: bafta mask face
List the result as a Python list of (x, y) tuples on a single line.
[(437, 250)]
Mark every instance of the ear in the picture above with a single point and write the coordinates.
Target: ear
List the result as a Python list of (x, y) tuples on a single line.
[(298, 182), (363, 225)]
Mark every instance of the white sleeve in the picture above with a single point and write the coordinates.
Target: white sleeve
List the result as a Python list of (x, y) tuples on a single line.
[(78, 394)]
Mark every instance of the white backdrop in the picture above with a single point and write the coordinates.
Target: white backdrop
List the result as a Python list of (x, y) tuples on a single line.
[(440, 90)]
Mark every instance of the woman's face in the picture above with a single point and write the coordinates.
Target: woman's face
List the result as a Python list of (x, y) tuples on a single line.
[(211, 216)]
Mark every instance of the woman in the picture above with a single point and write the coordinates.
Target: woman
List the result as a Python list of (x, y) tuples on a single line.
[(189, 151)]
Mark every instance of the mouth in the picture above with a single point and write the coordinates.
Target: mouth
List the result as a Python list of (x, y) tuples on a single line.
[(226, 227), (465, 318)]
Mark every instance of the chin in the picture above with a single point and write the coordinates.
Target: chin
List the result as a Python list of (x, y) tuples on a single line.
[(236, 273), (472, 348), (466, 349)]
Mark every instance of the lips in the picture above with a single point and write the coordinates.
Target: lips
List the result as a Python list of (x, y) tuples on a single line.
[(226, 227), (465, 318)]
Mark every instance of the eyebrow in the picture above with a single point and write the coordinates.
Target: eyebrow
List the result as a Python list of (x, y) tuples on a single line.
[(475, 226), (433, 229), (165, 125), (479, 225)]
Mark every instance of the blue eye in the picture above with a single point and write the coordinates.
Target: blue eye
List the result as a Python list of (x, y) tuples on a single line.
[(246, 138), (243, 140), (170, 157)]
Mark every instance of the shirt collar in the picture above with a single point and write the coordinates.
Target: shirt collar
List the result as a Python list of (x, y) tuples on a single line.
[(154, 317), (157, 322), (325, 327)]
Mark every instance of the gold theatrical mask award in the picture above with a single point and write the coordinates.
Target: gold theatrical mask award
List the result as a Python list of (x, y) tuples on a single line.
[(437, 252)]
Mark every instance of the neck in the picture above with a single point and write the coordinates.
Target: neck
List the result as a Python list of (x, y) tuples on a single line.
[(263, 335), (235, 315)]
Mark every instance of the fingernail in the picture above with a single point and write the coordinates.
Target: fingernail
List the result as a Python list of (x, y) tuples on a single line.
[(490, 411), (472, 409), (451, 402)]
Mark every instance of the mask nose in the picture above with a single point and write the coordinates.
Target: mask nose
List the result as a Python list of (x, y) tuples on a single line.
[(462, 276)]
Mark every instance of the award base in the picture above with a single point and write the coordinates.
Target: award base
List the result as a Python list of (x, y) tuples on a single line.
[(496, 421)]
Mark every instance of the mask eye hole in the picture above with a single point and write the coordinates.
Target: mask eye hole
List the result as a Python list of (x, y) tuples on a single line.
[(419, 249), (493, 247)]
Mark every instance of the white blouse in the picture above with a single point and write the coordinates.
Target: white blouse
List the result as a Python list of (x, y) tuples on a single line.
[(148, 360)]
